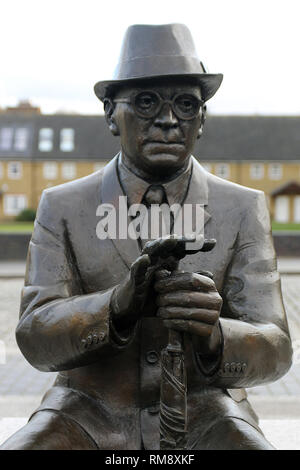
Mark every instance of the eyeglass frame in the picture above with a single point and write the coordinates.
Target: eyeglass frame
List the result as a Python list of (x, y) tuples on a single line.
[(131, 100)]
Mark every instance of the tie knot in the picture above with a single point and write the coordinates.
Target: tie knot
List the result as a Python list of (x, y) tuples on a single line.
[(155, 194)]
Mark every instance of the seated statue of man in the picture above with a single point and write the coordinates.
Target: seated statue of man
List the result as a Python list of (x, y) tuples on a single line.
[(96, 309)]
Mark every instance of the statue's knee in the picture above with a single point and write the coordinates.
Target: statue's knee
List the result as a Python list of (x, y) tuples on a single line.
[(235, 434), (48, 430)]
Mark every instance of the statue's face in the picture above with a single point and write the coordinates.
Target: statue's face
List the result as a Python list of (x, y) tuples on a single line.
[(159, 144)]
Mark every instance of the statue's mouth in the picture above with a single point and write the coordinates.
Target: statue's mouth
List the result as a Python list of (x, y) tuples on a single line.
[(163, 143)]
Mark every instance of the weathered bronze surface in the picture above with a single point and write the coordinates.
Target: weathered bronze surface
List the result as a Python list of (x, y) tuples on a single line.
[(100, 312)]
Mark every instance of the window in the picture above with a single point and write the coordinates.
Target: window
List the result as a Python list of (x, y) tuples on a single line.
[(67, 140), (1, 170), (13, 204), (275, 171), (223, 170), (297, 209), (282, 209), (68, 171), (14, 170), (21, 139), (207, 166), (50, 170), (257, 171), (46, 140), (6, 135)]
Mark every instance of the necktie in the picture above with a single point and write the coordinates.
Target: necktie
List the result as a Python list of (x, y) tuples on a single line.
[(155, 194)]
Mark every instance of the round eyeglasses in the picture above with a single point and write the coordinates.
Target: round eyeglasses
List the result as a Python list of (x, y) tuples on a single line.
[(148, 104)]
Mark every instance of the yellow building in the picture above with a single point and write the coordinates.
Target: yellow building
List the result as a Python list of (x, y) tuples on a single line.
[(38, 151)]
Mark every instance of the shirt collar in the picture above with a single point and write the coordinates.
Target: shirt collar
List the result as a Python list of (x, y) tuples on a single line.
[(135, 187)]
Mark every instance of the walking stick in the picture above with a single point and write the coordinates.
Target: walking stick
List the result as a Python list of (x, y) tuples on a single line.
[(173, 391)]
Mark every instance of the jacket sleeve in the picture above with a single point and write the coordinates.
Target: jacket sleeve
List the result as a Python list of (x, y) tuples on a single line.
[(60, 327), (256, 342)]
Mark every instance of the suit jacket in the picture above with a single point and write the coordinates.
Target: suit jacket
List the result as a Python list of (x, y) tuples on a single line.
[(109, 382)]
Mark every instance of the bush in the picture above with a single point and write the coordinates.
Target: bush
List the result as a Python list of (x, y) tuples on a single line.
[(26, 215)]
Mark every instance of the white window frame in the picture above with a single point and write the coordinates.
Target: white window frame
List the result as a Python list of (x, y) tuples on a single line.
[(11, 174), (68, 170), (67, 137), (21, 139), (282, 214), (8, 208), (50, 170), (1, 170), (46, 135), (219, 170), (10, 133), (257, 171), (297, 209), (275, 171)]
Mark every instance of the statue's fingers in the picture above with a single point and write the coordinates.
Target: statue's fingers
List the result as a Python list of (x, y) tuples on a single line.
[(162, 274), (195, 314), (139, 268), (206, 300), (184, 281), (161, 247)]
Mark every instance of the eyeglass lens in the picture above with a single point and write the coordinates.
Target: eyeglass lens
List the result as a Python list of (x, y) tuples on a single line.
[(148, 104)]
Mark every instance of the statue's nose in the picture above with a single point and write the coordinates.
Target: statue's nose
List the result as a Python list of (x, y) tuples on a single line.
[(166, 118)]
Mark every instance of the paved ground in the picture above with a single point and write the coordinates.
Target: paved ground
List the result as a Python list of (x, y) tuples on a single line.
[(21, 386)]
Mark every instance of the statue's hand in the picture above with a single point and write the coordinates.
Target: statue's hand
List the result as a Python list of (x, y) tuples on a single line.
[(190, 302), (129, 297)]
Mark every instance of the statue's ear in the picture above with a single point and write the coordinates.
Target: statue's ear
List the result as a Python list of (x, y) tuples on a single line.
[(109, 108), (203, 118)]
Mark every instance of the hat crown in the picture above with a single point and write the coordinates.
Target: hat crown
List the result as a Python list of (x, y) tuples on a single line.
[(143, 40), (149, 45)]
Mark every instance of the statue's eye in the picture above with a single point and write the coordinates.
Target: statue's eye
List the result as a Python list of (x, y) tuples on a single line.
[(146, 101), (187, 105)]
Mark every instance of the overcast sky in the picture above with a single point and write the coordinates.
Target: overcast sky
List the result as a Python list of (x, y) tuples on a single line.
[(53, 52)]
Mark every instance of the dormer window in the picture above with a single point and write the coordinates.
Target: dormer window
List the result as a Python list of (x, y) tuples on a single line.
[(67, 140), (21, 139), (6, 136), (46, 139)]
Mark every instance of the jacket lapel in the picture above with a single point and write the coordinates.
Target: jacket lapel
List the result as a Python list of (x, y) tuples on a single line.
[(110, 192), (198, 193)]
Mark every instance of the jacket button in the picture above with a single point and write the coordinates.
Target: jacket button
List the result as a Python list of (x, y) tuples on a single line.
[(95, 339), (102, 336), (89, 340), (152, 357)]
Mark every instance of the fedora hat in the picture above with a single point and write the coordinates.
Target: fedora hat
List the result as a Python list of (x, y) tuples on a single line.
[(157, 51)]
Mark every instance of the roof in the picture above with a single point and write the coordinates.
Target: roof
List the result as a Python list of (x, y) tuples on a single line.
[(291, 187), (225, 138), (250, 138)]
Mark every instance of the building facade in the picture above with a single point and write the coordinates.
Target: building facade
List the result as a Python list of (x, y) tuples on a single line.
[(39, 151)]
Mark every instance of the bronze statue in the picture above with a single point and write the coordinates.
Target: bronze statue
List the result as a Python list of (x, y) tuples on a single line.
[(99, 311)]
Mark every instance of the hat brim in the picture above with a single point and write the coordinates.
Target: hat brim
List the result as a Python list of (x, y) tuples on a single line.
[(209, 83)]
